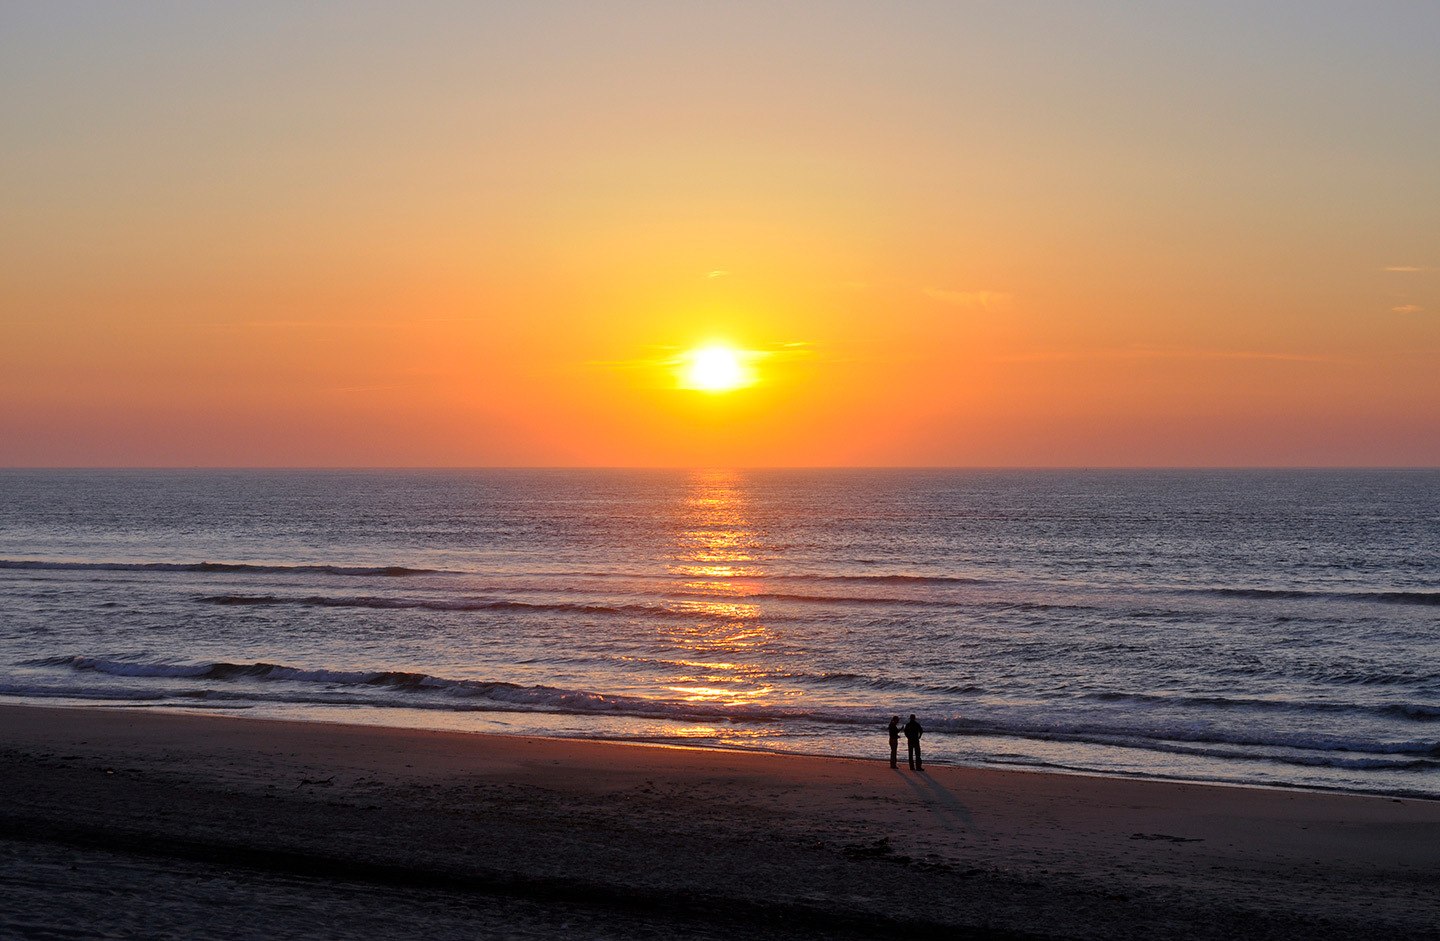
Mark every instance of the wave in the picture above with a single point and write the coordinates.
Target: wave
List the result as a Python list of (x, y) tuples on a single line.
[(1414, 711), (222, 568), (463, 604), (240, 568), (896, 579), (500, 693), (1277, 745), (425, 691), (221, 670), (34, 691), (989, 605), (759, 674), (1388, 596), (1379, 764), (1396, 597), (1382, 596), (1425, 598), (1421, 680), (823, 599), (884, 601)]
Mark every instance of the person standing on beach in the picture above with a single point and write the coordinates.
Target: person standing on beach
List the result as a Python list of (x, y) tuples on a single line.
[(894, 731), (913, 731)]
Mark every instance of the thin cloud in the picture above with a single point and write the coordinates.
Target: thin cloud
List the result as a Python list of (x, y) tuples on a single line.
[(1142, 353), (987, 301), (676, 355), (718, 273), (348, 390), (347, 325), (1408, 309), (1406, 269), (277, 324)]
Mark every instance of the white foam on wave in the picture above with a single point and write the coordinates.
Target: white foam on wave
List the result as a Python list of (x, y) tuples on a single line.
[(420, 690), (224, 568)]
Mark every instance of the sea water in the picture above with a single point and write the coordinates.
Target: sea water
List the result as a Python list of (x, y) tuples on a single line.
[(1265, 627)]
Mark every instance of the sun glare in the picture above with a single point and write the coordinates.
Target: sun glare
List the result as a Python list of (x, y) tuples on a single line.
[(715, 369)]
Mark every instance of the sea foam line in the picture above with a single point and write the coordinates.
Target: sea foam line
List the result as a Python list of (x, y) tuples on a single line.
[(222, 568), (688, 610), (402, 688), (1422, 597)]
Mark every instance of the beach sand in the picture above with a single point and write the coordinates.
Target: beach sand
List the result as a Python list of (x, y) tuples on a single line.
[(148, 824)]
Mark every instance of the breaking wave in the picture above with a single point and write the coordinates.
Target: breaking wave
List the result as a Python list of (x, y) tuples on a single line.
[(1418, 712), (1398, 597), (219, 568), (468, 604), (1426, 598), (249, 682)]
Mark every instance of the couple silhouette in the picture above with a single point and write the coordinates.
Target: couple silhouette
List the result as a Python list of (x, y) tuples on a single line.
[(913, 731)]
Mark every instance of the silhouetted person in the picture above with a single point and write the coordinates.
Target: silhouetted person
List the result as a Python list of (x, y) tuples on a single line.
[(894, 731), (913, 731)]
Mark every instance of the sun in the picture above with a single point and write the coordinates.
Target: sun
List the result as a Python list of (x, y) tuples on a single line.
[(715, 368)]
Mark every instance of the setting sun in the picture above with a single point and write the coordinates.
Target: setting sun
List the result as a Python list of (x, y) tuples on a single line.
[(715, 368), (504, 385)]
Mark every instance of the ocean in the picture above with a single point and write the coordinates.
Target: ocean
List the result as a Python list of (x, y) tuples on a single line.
[(1262, 627)]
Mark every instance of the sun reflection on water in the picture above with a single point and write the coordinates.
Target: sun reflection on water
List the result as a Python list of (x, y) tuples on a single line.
[(714, 539), (727, 695), (721, 609), (715, 550)]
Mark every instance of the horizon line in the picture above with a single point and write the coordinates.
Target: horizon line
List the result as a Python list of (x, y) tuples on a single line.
[(694, 467)]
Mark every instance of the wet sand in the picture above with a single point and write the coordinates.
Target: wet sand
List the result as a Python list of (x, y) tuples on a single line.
[(172, 825)]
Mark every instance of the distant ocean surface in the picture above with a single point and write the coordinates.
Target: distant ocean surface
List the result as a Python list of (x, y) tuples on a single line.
[(1266, 627)]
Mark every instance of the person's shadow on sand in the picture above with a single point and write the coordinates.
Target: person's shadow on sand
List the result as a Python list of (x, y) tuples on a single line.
[(936, 795)]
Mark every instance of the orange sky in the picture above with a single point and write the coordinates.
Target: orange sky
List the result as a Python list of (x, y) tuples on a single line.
[(989, 234)]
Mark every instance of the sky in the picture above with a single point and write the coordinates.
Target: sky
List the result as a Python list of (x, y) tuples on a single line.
[(954, 234)]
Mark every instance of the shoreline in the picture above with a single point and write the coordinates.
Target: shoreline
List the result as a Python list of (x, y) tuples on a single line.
[(632, 839), (242, 713)]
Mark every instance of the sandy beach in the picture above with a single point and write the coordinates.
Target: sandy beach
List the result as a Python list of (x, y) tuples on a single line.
[(138, 823)]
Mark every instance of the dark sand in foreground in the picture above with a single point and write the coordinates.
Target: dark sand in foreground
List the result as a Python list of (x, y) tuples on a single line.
[(146, 824)]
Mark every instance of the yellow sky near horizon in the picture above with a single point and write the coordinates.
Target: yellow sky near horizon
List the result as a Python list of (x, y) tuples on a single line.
[(959, 234)]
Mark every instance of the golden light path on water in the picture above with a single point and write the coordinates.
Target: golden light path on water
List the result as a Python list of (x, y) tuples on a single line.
[(717, 557), (715, 550)]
